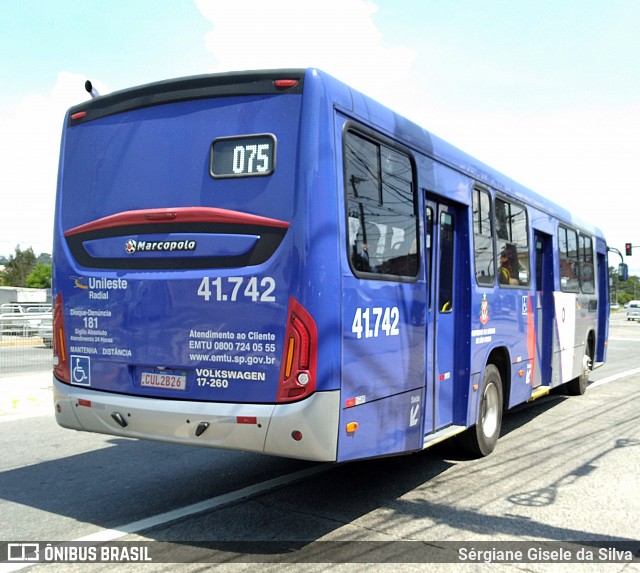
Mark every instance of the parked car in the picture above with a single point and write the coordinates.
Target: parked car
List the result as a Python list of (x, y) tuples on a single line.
[(42, 327), (633, 310)]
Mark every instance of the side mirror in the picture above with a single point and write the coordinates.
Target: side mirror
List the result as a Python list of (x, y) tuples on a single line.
[(623, 272)]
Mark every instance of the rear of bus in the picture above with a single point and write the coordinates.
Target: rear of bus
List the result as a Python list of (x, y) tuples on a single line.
[(188, 302)]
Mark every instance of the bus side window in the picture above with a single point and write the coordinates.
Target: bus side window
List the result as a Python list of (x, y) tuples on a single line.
[(445, 290), (512, 237), (483, 238), (569, 262), (381, 208), (587, 283), (429, 249)]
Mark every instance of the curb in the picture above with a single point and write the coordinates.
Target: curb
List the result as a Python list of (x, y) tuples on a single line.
[(21, 342)]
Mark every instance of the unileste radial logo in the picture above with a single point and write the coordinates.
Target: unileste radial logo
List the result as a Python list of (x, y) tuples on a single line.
[(132, 246)]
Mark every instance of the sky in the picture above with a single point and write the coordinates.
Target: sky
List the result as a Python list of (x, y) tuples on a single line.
[(546, 92)]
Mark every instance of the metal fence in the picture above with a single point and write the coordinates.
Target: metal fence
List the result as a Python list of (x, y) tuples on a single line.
[(26, 334)]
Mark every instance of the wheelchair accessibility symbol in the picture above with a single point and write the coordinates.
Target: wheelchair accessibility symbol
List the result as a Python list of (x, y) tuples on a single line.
[(81, 370)]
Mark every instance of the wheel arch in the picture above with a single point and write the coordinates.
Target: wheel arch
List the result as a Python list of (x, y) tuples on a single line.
[(500, 358)]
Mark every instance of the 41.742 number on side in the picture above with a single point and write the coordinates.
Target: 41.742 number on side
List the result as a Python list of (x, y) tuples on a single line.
[(377, 321)]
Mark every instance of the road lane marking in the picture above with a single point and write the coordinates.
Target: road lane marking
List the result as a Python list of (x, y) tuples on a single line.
[(106, 535), (202, 506), (615, 377)]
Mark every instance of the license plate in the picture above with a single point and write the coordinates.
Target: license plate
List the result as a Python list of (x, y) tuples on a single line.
[(164, 380)]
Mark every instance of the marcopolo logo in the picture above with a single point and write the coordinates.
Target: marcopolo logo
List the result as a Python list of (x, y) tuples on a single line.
[(132, 246)]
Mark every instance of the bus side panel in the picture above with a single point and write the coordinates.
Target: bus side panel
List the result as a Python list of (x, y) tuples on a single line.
[(501, 321), (566, 334), (383, 335), (387, 426), (383, 368)]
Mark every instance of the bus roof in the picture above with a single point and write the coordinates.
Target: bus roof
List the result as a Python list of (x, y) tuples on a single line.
[(260, 82)]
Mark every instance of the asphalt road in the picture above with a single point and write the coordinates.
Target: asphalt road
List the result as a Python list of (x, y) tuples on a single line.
[(564, 477)]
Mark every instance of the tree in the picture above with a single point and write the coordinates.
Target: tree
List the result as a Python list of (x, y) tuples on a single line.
[(19, 267), (40, 277), (44, 259)]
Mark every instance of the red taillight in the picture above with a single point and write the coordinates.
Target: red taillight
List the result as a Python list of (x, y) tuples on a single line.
[(299, 358), (60, 356), (285, 84)]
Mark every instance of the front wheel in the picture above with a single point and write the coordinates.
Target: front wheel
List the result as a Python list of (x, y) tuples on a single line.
[(480, 440)]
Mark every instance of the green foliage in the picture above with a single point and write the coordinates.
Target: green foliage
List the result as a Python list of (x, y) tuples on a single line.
[(623, 291), (19, 267), (44, 259), (23, 269), (40, 277)]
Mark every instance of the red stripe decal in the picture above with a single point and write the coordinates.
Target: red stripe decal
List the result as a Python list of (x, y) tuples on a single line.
[(531, 338), (177, 215)]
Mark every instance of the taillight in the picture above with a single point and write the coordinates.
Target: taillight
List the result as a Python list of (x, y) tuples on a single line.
[(60, 356), (285, 84), (299, 358)]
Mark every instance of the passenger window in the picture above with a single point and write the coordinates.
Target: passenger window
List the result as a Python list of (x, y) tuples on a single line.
[(587, 283), (445, 289), (483, 238), (429, 249), (512, 238), (381, 208), (569, 265)]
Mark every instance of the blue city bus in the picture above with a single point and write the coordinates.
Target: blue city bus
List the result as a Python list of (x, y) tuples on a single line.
[(273, 262)]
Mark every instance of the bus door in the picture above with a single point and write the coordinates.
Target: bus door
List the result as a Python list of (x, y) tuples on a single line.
[(440, 219), (544, 306)]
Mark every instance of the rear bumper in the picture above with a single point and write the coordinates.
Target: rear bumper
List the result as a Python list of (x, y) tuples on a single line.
[(263, 428)]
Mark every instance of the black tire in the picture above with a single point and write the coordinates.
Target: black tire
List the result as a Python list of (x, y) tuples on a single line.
[(480, 440), (578, 386)]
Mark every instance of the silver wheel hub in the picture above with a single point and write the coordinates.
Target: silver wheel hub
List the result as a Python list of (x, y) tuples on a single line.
[(490, 410)]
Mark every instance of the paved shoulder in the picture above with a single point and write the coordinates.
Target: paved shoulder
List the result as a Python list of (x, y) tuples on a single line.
[(25, 394)]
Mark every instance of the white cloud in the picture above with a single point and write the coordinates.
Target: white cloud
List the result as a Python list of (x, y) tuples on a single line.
[(583, 159), (29, 148), (337, 36)]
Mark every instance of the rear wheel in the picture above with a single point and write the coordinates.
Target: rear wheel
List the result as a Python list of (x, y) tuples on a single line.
[(480, 440)]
